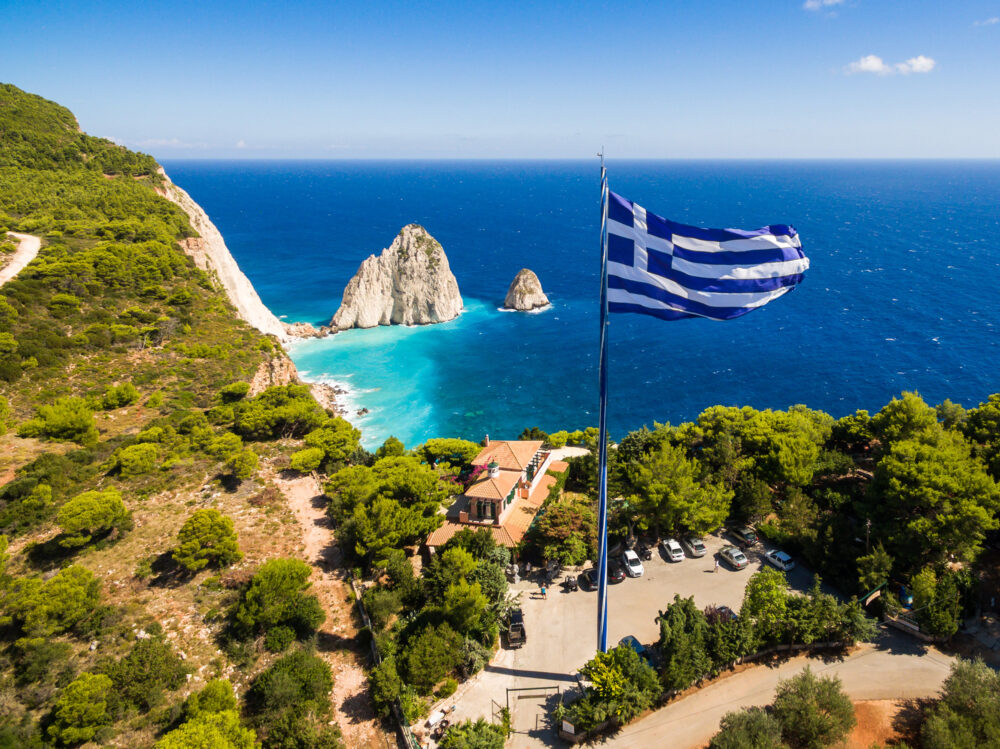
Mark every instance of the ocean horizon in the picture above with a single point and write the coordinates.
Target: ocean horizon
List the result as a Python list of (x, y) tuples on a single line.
[(898, 296)]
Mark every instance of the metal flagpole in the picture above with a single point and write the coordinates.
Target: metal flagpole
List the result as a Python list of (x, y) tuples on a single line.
[(602, 443)]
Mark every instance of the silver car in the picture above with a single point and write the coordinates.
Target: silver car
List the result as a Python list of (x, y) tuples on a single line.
[(694, 546), (734, 557), (779, 559)]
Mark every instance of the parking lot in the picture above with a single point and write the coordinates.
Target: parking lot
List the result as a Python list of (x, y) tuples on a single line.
[(562, 633)]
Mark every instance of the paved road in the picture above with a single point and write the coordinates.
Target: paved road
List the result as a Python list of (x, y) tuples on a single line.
[(27, 248), (894, 667)]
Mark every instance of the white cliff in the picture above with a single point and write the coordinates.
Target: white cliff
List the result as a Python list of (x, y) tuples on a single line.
[(525, 292), (211, 255), (410, 283)]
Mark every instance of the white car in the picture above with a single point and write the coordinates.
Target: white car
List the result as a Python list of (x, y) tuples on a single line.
[(633, 566), (672, 550), (694, 546), (780, 560)]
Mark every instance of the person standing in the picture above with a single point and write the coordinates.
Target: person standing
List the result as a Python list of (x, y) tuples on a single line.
[(716, 565)]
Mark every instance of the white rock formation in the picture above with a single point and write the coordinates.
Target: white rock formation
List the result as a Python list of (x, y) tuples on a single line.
[(410, 283), (525, 292), (211, 255)]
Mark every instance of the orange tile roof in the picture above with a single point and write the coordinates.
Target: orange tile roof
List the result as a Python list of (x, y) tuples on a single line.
[(443, 534), (498, 488), (558, 466), (510, 455)]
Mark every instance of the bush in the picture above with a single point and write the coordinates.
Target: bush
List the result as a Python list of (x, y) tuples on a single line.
[(279, 412), (81, 709), (117, 396), (813, 713), (308, 460), (299, 681), (136, 460), (68, 419), (431, 655), (447, 689), (968, 714), (386, 686), (243, 464), (750, 728), (90, 514), (279, 638), (234, 392), (475, 735), (141, 677), (206, 538), (214, 730), (215, 697), (48, 608), (277, 596)]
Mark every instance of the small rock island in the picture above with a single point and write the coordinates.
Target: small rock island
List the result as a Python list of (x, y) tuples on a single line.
[(410, 283), (525, 292)]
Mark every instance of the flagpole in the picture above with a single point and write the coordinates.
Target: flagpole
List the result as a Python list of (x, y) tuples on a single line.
[(602, 439)]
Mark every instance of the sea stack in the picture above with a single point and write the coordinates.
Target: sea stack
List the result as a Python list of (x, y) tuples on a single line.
[(525, 292), (410, 283)]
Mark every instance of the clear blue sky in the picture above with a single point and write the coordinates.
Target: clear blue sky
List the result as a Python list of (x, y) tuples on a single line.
[(733, 78)]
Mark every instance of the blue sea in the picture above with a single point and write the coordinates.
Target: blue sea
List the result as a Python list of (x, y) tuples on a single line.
[(902, 293)]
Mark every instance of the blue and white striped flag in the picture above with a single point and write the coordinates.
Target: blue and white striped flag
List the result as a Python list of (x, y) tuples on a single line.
[(672, 271)]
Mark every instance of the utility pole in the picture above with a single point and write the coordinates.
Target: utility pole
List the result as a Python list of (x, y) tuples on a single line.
[(868, 532)]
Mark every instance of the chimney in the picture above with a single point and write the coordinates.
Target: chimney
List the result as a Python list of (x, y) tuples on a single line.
[(486, 442), (494, 469)]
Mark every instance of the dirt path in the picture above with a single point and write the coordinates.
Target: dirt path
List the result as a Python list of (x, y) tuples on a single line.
[(27, 248), (338, 636)]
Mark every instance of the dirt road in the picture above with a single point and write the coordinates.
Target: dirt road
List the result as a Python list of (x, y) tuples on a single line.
[(27, 248), (338, 642)]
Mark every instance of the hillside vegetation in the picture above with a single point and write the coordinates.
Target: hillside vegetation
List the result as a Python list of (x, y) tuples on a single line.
[(136, 505)]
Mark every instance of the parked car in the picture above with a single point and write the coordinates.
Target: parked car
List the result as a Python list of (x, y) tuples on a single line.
[(516, 635), (644, 552), (734, 557), (638, 647), (694, 546), (672, 550), (744, 536), (633, 566), (616, 573), (780, 559)]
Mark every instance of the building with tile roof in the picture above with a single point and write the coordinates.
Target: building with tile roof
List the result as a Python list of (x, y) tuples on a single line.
[(512, 484)]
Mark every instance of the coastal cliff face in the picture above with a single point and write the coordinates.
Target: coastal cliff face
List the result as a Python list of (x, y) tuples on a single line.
[(410, 283), (525, 292), (211, 254)]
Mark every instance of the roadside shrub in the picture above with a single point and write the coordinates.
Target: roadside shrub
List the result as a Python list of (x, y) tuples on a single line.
[(751, 727), (968, 714), (277, 596), (813, 713), (475, 735), (447, 688), (386, 685), (81, 710), (206, 538), (299, 681), (91, 514)]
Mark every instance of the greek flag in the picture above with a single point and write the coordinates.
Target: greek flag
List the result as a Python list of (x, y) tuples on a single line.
[(672, 271)]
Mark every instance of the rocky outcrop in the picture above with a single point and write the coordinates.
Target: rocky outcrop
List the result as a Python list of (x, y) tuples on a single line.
[(410, 283), (278, 370), (525, 292), (212, 256), (306, 330)]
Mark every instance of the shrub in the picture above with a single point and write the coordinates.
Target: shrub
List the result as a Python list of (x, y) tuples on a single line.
[(136, 460), (279, 638), (386, 685), (813, 713), (117, 396), (431, 655), (81, 709), (968, 714), (206, 538), (308, 460), (90, 514), (283, 411), (141, 677), (234, 392), (391, 448), (475, 735), (299, 681), (277, 596), (68, 419), (750, 728), (243, 464), (5, 415), (448, 688), (215, 697), (217, 730), (48, 608)]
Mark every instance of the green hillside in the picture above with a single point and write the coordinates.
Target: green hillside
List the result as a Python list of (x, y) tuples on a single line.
[(136, 503)]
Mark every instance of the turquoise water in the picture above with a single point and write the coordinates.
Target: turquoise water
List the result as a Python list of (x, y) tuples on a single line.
[(902, 293)]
